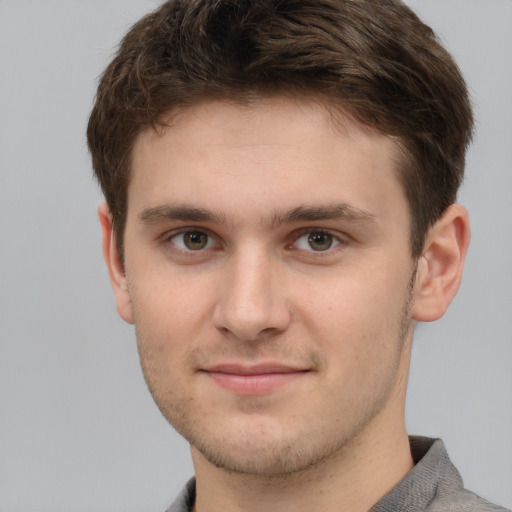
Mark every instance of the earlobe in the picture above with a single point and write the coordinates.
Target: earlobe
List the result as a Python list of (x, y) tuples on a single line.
[(115, 265), (440, 267)]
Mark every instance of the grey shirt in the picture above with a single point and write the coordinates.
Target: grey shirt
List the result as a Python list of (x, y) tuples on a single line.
[(433, 485)]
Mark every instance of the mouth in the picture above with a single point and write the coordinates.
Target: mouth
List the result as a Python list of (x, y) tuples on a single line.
[(253, 379)]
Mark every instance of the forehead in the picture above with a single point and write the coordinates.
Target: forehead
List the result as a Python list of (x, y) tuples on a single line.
[(273, 153)]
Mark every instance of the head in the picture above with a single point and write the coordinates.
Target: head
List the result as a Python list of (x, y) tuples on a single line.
[(373, 60), (280, 179)]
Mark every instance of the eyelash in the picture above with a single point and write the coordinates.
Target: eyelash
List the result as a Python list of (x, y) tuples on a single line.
[(337, 241), (183, 232)]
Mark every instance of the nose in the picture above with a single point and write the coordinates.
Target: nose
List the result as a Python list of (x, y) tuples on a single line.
[(251, 300)]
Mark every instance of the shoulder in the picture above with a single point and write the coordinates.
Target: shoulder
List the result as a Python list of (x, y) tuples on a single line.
[(433, 485), (463, 501), (184, 502), (450, 495)]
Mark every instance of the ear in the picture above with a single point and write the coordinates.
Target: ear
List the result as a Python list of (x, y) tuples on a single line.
[(440, 266), (115, 265)]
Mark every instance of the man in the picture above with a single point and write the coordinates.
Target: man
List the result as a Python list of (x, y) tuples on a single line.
[(280, 183)]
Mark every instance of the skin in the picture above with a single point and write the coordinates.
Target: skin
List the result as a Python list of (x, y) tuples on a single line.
[(267, 270)]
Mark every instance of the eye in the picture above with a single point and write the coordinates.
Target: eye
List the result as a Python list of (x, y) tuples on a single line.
[(192, 241), (317, 241)]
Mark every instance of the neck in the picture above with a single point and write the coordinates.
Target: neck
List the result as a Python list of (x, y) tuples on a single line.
[(353, 479)]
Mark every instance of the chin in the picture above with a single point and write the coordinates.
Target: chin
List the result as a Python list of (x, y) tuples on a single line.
[(268, 463), (263, 455)]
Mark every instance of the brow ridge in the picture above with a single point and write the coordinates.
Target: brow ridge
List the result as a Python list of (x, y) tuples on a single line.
[(302, 213), (185, 213)]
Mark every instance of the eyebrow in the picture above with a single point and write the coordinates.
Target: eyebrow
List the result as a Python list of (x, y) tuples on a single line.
[(184, 213), (303, 213), (340, 211)]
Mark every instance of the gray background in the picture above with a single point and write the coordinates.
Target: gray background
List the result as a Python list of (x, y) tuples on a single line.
[(78, 429)]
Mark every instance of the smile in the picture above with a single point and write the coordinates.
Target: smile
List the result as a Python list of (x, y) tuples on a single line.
[(253, 380)]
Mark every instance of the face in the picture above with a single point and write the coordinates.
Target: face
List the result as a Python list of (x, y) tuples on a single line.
[(268, 274)]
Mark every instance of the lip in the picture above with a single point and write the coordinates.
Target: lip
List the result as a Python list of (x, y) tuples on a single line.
[(258, 379)]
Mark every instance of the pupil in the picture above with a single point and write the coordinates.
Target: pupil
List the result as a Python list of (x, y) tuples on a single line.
[(320, 241), (195, 240)]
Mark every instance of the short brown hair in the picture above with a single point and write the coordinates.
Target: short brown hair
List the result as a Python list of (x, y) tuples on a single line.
[(373, 58)]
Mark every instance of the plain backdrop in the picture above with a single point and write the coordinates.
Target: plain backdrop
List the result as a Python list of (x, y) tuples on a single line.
[(78, 429)]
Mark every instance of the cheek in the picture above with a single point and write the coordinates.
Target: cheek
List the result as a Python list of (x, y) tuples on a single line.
[(168, 327), (358, 318), (170, 312)]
